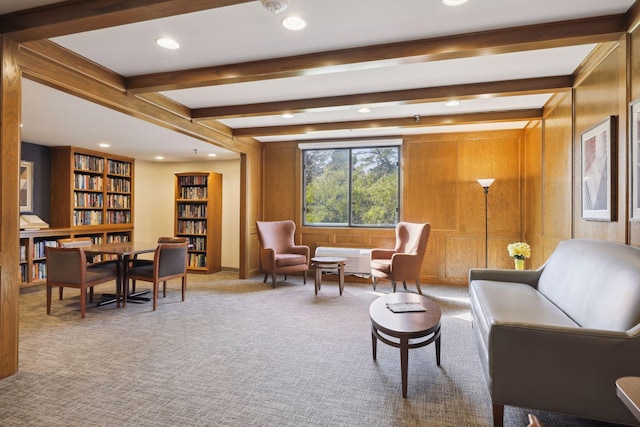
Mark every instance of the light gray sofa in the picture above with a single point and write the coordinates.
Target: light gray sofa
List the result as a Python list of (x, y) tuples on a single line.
[(557, 338)]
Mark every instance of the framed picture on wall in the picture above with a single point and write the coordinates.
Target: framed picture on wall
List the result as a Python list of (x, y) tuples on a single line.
[(634, 159), (25, 194), (598, 171)]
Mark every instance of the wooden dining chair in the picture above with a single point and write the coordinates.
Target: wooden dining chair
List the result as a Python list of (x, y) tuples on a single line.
[(84, 242), (68, 267), (137, 262), (169, 262)]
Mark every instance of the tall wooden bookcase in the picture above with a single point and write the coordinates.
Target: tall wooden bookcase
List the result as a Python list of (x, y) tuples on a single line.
[(90, 188), (91, 196), (198, 216)]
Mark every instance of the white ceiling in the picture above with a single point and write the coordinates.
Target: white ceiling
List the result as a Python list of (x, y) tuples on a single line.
[(247, 32)]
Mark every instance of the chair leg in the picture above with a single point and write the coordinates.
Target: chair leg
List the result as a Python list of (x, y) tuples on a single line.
[(60, 292), (498, 415), (48, 299), (304, 277), (91, 294), (184, 286), (393, 285), (83, 301), (404, 284), (418, 286), (265, 277), (133, 286), (273, 279), (155, 295), (164, 289), (375, 282)]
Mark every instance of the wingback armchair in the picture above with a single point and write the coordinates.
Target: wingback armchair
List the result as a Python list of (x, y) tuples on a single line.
[(278, 252), (404, 262)]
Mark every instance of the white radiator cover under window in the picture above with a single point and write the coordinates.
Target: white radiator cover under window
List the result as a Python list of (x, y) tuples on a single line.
[(358, 259)]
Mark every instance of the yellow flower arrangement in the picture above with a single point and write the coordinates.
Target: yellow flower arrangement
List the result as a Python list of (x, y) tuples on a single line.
[(519, 250)]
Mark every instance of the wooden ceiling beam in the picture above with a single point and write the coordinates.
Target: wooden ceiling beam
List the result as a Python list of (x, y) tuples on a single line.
[(72, 17), (531, 37), (403, 122), (430, 94)]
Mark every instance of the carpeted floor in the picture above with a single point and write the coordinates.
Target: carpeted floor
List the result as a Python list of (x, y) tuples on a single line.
[(239, 353)]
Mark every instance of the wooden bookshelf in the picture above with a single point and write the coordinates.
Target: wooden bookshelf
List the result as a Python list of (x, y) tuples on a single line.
[(33, 242), (90, 189), (198, 217)]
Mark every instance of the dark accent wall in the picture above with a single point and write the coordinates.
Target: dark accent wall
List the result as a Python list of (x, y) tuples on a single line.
[(41, 158)]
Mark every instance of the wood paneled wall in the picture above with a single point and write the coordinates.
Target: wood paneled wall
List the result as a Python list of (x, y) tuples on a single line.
[(602, 93), (439, 174)]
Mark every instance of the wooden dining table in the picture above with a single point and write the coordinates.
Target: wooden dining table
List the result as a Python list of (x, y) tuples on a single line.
[(124, 251)]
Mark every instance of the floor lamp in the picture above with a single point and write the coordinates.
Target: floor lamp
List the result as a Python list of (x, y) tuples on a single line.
[(485, 183)]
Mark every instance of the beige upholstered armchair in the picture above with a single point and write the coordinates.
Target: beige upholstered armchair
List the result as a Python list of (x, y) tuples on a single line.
[(405, 261), (278, 251)]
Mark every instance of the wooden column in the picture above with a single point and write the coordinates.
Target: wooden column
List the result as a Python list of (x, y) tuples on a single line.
[(10, 117)]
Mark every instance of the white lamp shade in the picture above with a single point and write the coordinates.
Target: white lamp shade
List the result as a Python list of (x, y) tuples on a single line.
[(486, 182)]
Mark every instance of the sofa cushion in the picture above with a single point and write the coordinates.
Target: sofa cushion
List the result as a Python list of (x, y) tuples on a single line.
[(594, 282), (494, 302)]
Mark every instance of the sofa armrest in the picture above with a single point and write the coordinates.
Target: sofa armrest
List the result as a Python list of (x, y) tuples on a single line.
[(561, 369), (529, 277)]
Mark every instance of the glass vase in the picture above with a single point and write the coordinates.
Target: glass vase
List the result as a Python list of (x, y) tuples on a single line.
[(519, 263)]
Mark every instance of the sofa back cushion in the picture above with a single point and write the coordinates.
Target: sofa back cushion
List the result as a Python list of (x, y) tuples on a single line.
[(596, 283)]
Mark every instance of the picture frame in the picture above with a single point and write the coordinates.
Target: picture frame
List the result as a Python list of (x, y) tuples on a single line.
[(598, 171), (25, 193), (634, 160)]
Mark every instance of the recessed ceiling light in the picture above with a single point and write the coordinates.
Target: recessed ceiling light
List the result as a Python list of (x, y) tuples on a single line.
[(453, 2), (287, 116), (168, 43), (159, 158), (364, 110), (104, 145), (294, 23), (212, 154), (452, 103)]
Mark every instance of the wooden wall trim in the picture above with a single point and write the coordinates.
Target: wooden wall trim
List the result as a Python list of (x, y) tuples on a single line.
[(10, 118)]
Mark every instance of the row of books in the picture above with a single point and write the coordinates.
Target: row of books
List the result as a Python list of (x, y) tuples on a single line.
[(118, 201), (198, 243), (118, 217), (192, 227), (121, 185), (193, 180), (192, 211), (39, 247), (88, 200), (88, 163), (193, 193), (197, 260), (119, 168), (87, 217), (88, 182)]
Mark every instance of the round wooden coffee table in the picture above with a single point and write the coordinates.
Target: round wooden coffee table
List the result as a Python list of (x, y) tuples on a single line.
[(396, 329), (329, 263)]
